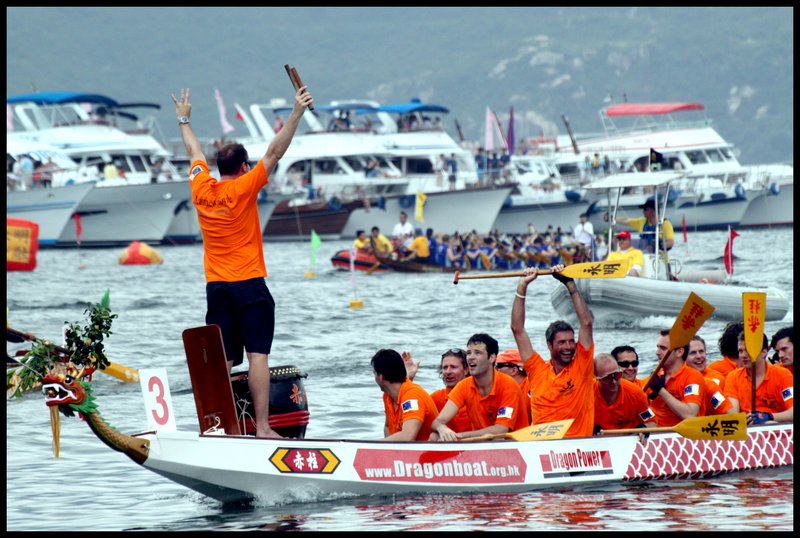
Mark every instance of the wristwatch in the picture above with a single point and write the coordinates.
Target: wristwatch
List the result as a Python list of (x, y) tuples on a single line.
[(183, 119)]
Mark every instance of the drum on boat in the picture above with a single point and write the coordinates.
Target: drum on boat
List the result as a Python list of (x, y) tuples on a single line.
[(288, 403)]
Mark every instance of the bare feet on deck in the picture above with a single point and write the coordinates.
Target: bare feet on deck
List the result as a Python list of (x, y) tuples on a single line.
[(269, 434)]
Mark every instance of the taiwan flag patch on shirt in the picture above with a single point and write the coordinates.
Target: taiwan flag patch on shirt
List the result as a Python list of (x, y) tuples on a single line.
[(691, 390), (787, 393), (505, 412), (410, 405)]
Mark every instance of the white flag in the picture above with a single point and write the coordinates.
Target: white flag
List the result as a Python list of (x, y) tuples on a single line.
[(226, 127)]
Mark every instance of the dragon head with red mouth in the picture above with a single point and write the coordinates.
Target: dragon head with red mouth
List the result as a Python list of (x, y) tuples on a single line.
[(63, 387)]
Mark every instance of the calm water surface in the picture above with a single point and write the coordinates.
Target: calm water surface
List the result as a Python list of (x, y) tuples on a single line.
[(93, 488)]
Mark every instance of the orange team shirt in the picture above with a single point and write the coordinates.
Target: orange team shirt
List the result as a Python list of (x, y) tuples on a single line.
[(724, 366), (789, 367), (570, 394), (774, 394), (629, 411), (413, 403), (228, 214), (460, 422), (716, 376), (504, 405), (688, 386), (714, 403), (525, 387)]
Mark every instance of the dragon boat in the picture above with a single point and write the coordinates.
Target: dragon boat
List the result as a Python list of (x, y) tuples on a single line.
[(223, 462)]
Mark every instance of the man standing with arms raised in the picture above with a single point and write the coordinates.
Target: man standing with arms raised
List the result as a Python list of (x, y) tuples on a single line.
[(563, 387), (237, 296)]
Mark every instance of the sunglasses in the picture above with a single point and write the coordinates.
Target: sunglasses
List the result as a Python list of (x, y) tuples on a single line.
[(505, 365), (616, 376), (628, 364), (455, 351)]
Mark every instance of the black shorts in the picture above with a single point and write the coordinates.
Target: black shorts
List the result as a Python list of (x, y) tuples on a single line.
[(245, 312)]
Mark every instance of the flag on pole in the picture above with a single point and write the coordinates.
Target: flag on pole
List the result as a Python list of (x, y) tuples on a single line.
[(315, 243), (683, 223), (510, 137), (489, 137), (226, 127), (353, 267), (239, 116), (421, 199), (78, 228), (728, 255), (656, 159)]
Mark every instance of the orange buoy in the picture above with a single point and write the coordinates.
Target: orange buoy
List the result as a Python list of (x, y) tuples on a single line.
[(138, 253), (22, 244)]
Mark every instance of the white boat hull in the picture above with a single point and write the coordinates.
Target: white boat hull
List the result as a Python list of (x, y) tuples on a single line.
[(234, 469), (613, 299), (51, 209), (112, 216), (514, 218), (770, 209), (461, 210)]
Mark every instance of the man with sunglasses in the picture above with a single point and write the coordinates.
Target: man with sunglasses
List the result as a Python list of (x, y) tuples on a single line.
[(625, 251), (562, 387), (493, 399), (618, 403), (628, 360), (509, 362)]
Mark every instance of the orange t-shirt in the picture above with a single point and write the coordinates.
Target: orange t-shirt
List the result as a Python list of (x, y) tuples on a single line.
[(774, 394), (504, 405), (724, 366), (460, 422), (688, 386), (629, 411), (714, 403), (716, 376), (412, 403), (570, 394), (227, 210)]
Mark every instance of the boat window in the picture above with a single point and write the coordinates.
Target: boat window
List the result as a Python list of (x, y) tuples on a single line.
[(726, 152), (355, 163), (697, 157), (121, 161), (714, 156), (137, 163), (327, 166), (416, 165)]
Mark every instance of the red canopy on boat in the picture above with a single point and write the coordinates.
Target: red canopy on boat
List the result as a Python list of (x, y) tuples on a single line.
[(642, 109)]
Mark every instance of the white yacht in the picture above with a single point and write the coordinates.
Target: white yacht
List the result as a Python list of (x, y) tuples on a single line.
[(88, 128)]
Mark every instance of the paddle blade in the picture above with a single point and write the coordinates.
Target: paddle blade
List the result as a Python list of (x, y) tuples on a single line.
[(694, 313), (754, 308), (542, 432), (121, 372), (615, 269), (714, 427)]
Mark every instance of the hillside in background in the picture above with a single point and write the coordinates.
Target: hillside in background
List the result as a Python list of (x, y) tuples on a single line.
[(544, 61)]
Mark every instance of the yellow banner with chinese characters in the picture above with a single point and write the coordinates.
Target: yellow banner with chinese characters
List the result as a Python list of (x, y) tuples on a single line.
[(694, 313), (754, 309)]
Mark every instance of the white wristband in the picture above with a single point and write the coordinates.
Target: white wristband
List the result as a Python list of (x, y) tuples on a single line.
[(520, 296)]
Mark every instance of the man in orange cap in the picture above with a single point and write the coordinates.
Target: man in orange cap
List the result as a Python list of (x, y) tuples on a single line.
[(509, 362), (626, 251)]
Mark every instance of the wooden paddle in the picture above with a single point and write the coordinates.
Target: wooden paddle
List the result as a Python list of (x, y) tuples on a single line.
[(616, 269), (754, 309), (114, 369), (537, 432), (487, 263), (375, 251), (693, 314), (709, 428)]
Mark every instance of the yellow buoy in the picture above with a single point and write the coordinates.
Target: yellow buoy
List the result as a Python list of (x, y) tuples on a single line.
[(138, 253), (356, 303), (309, 274)]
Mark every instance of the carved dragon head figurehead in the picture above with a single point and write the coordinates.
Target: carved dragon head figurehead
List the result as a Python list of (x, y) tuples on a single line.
[(62, 385)]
